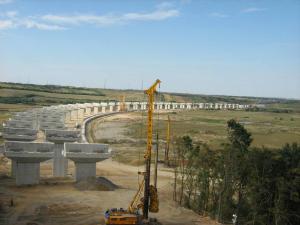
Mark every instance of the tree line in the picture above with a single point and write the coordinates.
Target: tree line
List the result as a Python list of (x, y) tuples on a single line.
[(238, 184)]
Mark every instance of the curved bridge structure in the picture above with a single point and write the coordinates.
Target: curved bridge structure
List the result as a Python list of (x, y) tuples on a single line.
[(60, 129)]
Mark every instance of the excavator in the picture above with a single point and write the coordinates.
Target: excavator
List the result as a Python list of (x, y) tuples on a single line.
[(146, 198)]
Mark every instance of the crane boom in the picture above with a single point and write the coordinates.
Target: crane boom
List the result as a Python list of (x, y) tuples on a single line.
[(150, 92), (136, 202)]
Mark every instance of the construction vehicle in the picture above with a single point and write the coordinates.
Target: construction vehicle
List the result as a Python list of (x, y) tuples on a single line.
[(148, 201)]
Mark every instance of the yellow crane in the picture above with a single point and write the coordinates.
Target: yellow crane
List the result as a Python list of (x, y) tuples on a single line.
[(167, 143), (122, 104), (149, 201)]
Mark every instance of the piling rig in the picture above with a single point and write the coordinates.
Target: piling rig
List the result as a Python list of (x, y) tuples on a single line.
[(149, 201)]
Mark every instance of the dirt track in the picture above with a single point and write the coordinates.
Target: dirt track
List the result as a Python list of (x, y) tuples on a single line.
[(58, 201)]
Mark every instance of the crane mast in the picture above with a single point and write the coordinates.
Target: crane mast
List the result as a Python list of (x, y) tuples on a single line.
[(150, 92), (167, 142), (122, 103)]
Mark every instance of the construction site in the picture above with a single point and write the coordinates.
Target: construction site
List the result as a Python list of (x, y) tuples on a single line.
[(55, 176), (98, 163), (157, 112)]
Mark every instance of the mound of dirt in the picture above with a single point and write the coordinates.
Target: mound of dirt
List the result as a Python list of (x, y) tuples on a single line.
[(96, 184)]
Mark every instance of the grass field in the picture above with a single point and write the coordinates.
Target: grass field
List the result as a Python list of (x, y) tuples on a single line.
[(127, 134), (32, 94), (268, 129)]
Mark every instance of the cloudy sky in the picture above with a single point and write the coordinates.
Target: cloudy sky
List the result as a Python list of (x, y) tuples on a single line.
[(232, 47)]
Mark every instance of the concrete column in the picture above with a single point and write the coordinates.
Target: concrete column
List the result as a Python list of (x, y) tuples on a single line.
[(27, 173), (80, 114), (103, 109), (87, 111), (73, 115), (60, 163), (13, 168), (68, 116), (84, 170), (111, 108), (95, 109)]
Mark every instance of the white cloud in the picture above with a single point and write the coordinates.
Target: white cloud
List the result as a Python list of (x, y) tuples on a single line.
[(252, 10), (12, 21), (163, 11), (219, 15), (40, 26), (78, 19), (156, 15), (6, 24), (5, 1), (111, 19)]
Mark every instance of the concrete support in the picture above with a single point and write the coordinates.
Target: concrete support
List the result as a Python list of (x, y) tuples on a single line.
[(68, 116), (85, 157), (60, 163), (13, 168), (88, 112), (80, 114), (84, 170), (27, 173), (74, 115), (95, 109)]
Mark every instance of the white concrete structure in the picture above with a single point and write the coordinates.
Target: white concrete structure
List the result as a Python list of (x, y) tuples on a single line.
[(59, 137), (85, 157), (19, 134), (27, 157), (51, 126), (21, 124)]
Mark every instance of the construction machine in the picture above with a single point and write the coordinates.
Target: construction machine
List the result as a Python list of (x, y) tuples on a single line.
[(146, 198)]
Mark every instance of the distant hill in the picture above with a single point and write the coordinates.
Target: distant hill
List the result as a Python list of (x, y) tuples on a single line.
[(33, 94)]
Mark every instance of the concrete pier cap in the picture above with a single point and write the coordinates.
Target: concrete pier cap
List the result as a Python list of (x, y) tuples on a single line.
[(85, 157), (26, 158), (19, 134), (62, 136), (51, 126), (20, 124), (59, 137)]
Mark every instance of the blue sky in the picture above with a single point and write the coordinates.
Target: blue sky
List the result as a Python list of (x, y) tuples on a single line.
[(225, 47)]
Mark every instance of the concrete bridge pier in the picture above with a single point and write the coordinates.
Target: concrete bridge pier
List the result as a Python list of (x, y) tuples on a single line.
[(13, 170), (26, 158), (27, 173), (59, 137), (84, 170), (60, 163), (85, 157)]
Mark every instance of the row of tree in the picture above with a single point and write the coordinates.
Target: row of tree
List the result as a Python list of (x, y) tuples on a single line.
[(239, 184)]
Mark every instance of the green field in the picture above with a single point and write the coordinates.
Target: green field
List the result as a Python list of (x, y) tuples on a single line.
[(268, 129), (32, 94), (271, 130)]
